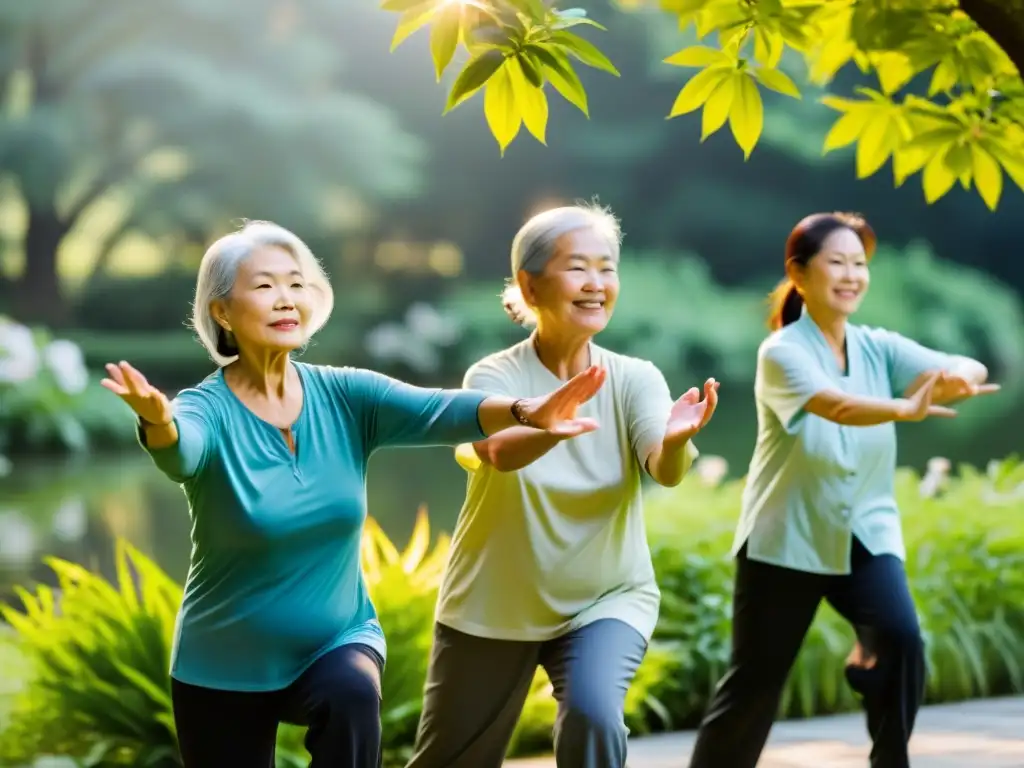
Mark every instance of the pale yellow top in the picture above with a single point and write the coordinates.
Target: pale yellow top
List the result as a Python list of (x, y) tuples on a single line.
[(560, 543)]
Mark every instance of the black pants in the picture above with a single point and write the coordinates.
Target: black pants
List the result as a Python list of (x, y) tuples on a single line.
[(772, 610), (338, 698)]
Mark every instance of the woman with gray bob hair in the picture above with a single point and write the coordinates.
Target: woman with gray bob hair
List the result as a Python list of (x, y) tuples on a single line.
[(276, 623), (549, 563)]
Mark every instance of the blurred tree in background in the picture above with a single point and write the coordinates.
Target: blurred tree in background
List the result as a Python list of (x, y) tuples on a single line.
[(108, 130), (966, 126)]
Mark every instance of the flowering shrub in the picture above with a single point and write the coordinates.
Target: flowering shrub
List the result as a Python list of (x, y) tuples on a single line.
[(47, 399)]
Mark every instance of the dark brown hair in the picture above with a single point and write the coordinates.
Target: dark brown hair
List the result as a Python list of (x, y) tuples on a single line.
[(804, 243)]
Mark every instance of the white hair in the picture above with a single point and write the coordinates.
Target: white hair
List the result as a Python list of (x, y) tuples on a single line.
[(537, 240), (219, 270)]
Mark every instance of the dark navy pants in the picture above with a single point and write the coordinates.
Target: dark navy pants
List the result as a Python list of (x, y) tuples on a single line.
[(772, 610), (338, 698)]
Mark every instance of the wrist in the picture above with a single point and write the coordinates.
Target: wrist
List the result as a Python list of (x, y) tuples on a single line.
[(903, 409), (145, 424), (522, 411)]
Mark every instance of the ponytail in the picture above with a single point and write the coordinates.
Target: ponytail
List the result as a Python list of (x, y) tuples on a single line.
[(786, 305)]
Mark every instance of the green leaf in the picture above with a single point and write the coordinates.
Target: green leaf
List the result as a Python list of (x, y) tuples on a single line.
[(533, 8), (1011, 157), (717, 106), (846, 130), (501, 109), (937, 178), (777, 81), (746, 115), (444, 37), (530, 100), (877, 142), (944, 78), (697, 56), (768, 46), (559, 72), (411, 20), (698, 89), (988, 176), (893, 70), (530, 72), (477, 71), (584, 50), (906, 161)]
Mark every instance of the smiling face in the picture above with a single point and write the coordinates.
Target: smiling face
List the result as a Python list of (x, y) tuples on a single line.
[(575, 294), (269, 307), (836, 279)]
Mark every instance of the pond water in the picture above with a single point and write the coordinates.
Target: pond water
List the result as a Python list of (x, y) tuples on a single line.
[(75, 509)]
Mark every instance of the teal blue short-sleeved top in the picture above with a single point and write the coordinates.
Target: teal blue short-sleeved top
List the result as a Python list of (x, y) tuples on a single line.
[(275, 580), (814, 484)]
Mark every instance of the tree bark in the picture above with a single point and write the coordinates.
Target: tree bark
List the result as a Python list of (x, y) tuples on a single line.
[(1003, 20), (37, 296)]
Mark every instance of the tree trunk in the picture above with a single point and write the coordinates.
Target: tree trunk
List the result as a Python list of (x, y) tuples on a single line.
[(37, 293), (1003, 20)]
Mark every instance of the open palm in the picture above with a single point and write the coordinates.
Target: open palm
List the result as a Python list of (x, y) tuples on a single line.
[(690, 413)]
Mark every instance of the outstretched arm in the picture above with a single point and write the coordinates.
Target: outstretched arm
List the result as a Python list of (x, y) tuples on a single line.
[(791, 383), (176, 436)]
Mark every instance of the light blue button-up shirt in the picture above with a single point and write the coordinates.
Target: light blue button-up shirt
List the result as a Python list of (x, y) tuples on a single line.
[(814, 484)]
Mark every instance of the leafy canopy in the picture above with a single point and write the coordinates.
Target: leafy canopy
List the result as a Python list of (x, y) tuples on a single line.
[(966, 124)]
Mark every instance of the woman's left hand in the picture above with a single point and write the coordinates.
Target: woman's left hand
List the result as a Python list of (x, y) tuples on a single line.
[(690, 413), (951, 388)]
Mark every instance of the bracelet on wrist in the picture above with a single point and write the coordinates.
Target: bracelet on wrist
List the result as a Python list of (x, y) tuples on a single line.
[(517, 413)]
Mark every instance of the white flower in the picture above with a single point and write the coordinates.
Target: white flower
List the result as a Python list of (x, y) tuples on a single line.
[(935, 478), (17, 539), (431, 326), (70, 520), (65, 361), (711, 470), (394, 343), (19, 356)]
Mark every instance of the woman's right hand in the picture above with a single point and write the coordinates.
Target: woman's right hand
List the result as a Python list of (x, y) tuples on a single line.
[(149, 403), (919, 406)]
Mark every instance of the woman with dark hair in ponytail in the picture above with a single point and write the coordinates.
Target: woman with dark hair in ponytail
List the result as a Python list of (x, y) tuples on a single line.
[(819, 517)]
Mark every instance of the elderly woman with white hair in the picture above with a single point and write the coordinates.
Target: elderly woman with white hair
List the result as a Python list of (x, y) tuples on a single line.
[(276, 624), (549, 563)]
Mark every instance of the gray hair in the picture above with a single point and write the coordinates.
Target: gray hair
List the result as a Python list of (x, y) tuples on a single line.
[(219, 270), (537, 240)]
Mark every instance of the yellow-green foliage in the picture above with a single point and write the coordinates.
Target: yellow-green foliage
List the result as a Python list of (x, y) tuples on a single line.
[(969, 128), (95, 654)]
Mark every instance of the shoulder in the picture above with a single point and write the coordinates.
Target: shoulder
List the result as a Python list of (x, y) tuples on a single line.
[(205, 398), (781, 343), (344, 380), (509, 364), (875, 337)]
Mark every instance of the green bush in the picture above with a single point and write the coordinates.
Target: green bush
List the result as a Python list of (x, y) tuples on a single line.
[(97, 689)]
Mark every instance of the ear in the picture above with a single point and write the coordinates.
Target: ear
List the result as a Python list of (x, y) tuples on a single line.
[(796, 273), (525, 281), (219, 312)]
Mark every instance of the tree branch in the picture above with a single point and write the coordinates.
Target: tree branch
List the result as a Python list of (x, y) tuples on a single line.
[(115, 172)]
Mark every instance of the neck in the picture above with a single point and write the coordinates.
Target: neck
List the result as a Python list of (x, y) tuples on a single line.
[(832, 325), (563, 357), (267, 373)]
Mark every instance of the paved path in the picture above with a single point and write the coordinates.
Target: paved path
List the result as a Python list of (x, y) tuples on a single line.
[(977, 734)]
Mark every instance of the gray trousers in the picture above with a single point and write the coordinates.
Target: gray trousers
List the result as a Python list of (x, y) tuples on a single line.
[(476, 688)]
